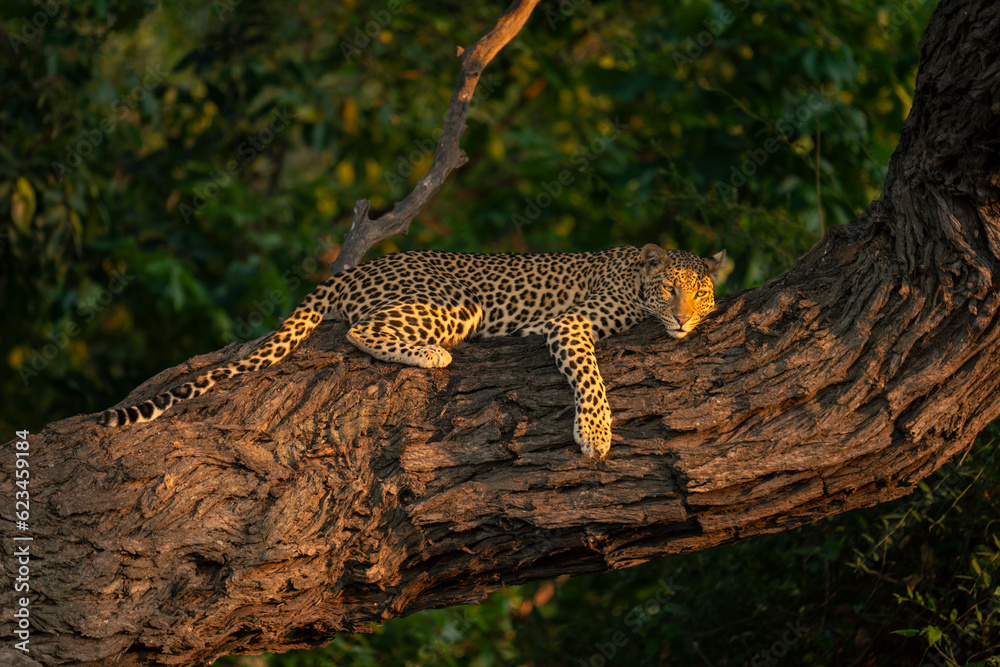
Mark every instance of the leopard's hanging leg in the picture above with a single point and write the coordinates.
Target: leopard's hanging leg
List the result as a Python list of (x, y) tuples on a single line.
[(570, 338)]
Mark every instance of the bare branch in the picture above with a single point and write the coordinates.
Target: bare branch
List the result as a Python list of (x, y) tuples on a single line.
[(448, 155)]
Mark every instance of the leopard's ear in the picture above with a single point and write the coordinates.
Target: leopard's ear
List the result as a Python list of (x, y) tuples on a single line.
[(714, 264), (652, 257)]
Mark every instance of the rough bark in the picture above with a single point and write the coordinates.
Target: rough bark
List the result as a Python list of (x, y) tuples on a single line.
[(332, 490)]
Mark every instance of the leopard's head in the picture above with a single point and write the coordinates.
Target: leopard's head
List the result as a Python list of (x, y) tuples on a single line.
[(678, 287)]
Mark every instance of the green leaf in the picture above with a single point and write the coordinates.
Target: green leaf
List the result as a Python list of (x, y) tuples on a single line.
[(22, 205)]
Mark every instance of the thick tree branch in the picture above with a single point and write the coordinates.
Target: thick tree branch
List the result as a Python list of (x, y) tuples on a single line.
[(448, 155), (332, 490)]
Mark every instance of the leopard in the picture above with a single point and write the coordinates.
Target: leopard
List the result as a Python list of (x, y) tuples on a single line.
[(411, 307)]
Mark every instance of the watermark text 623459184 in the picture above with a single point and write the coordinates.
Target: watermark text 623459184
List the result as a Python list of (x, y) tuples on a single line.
[(22, 546)]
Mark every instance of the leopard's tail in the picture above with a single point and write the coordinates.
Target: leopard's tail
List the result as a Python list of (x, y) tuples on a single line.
[(275, 347)]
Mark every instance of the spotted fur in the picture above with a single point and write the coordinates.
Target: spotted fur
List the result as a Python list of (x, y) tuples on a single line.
[(408, 307)]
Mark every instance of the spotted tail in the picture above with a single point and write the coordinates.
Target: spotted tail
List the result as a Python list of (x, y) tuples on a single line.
[(276, 347)]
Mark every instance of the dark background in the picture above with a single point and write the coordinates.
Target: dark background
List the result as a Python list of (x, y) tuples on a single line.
[(173, 178)]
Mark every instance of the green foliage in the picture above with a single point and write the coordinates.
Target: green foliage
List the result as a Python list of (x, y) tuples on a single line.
[(172, 178)]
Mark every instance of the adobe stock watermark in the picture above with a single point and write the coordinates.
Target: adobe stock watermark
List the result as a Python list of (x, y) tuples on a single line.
[(21, 563), (407, 164), (30, 26), (292, 278), (453, 631), (88, 309), (636, 618), (563, 11), (900, 14), (223, 7), (584, 158), (785, 127), (247, 151), (380, 20), (85, 143), (695, 46), (780, 648)]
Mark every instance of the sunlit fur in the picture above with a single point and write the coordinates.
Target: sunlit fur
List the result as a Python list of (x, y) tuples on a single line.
[(678, 287), (408, 307)]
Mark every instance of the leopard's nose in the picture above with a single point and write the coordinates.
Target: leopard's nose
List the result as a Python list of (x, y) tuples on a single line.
[(681, 320)]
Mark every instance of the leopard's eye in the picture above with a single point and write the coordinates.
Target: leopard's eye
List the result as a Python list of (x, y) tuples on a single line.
[(701, 294)]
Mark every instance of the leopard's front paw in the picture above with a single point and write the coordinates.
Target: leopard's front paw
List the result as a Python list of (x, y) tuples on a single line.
[(592, 430)]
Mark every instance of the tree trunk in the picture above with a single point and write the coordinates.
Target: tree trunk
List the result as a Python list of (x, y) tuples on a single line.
[(332, 490)]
